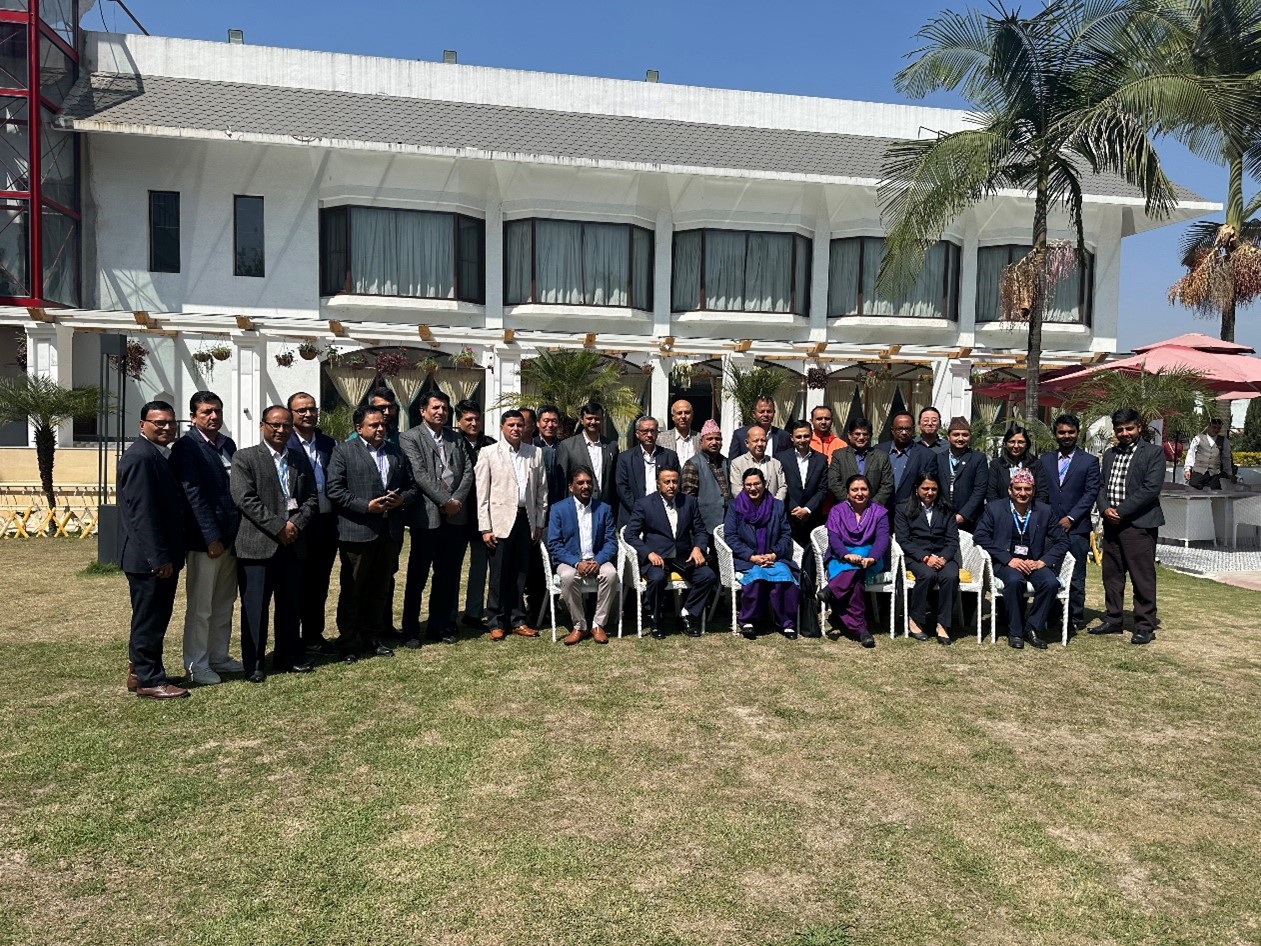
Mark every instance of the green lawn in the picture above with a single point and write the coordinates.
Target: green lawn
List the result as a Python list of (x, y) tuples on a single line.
[(684, 791)]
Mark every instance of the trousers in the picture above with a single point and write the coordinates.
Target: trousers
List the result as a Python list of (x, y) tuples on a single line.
[(210, 587), (1021, 616), (571, 592), (782, 597), (849, 590), (1129, 550), (152, 601), (321, 553), (701, 578), (505, 601), (263, 580), (366, 577), (440, 551), (946, 582)]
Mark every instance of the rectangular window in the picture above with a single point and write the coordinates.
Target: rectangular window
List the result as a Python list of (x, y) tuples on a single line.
[(381, 251), (15, 145), (248, 249), (58, 164), (741, 271), (15, 281), (1072, 299), (164, 232), (56, 72), (60, 244), (13, 72), (569, 262), (854, 263)]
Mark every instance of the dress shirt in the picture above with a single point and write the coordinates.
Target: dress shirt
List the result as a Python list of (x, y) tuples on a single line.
[(308, 447), (281, 459), (521, 471), (1064, 462), (1120, 471), (586, 543), (803, 463), (650, 472), (378, 457), (595, 456), (928, 514), (445, 473), (672, 514), (217, 443), (860, 461), (684, 448), (897, 460)]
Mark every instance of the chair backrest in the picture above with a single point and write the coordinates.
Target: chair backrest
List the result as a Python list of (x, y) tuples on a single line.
[(819, 545), (726, 565), (1066, 570), (627, 553), (547, 557)]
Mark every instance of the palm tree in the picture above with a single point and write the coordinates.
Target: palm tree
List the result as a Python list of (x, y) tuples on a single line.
[(746, 385), (569, 379), (45, 405), (1176, 395), (1051, 102)]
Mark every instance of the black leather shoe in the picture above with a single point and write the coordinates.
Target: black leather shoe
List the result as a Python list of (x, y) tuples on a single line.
[(450, 637), (918, 636), (747, 632), (1015, 641), (299, 668), (382, 651), (691, 627), (1035, 641), (789, 633), (944, 641), (825, 595), (320, 647), (1142, 637), (412, 643), (350, 658), (1103, 627), (656, 633), (257, 677), (866, 639)]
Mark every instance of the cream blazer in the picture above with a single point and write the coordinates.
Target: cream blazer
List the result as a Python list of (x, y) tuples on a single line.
[(497, 488)]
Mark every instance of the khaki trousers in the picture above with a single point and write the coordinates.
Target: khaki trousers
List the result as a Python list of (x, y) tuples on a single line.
[(571, 594)]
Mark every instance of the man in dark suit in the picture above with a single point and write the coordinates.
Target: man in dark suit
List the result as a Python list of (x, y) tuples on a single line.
[(764, 416), (1129, 501), (320, 536), (273, 485), (964, 474), (547, 439), (1071, 476), (582, 544), (861, 457), (590, 448), (806, 472), (636, 475), (370, 482), (201, 460), (468, 420), (151, 525), (439, 520), (1027, 546), (907, 459), (667, 533)]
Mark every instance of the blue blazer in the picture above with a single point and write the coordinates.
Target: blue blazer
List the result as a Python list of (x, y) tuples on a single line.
[(210, 514), (324, 445), (741, 537), (649, 529), (630, 477), (1046, 540), (563, 543), (919, 458), (971, 481), (151, 510), (1079, 492)]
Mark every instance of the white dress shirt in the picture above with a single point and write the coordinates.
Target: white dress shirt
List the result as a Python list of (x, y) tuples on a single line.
[(672, 515), (650, 472), (379, 458), (308, 447), (521, 469), (684, 448), (595, 456), (281, 459), (586, 542), (803, 464)]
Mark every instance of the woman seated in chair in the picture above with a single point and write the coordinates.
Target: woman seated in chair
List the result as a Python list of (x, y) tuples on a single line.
[(756, 530), (926, 530), (858, 544)]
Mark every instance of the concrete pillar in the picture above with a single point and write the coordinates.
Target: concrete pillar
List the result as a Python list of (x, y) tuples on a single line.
[(248, 365), (50, 353), (967, 281), (659, 390), (662, 269), (822, 247), (494, 263), (506, 380)]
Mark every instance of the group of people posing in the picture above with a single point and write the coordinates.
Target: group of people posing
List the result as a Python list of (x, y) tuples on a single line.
[(268, 523)]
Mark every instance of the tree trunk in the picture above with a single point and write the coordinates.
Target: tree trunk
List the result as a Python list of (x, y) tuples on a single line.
[(45, 447), (1228, 314), (1033, 361), (1234, 218)]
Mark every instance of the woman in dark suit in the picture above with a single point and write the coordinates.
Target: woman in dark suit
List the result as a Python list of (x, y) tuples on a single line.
[(756, 529), (1017, 455), (926, 530)]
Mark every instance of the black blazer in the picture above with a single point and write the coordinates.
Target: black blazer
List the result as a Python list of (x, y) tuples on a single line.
[(209, 513), (1079, 492), (1046, 540), (1000, 479), (918, 539), (971, 481), (572, 453), (777, 442), (649, 529), (151, 510), (812, 492), (875, 467), (630, 477), (353, 481), (1141, 508), (919, 458)]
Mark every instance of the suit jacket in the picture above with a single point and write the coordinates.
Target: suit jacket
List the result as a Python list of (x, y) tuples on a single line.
[(1079, 492), (670, 440), (971, 482), (1141, 507), (564, 544), (996, 533), (919, 458), (572, 453), (256, 492), (497, 489), (777, 442), (631, 487), (324, 445), (918, 539), (876, 468), (649, 529), (1000, 479), (353, 482), (812, 493), (741, 537), (209, 513), (422, 453), (151, 510), (557, 484)]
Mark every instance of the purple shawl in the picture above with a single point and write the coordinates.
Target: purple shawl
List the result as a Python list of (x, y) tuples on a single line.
[(757, 515), (845, 532)]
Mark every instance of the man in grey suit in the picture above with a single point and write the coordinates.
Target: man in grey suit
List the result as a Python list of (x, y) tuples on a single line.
[(439, 520), (273, 485), (681, 438), (1129, 502), (636, 475), (861, 457), (590, 448), (370, 482)]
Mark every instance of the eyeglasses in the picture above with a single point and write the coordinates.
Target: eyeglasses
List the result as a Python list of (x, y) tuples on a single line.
[(306, 410), (161, 423), (281, 426)]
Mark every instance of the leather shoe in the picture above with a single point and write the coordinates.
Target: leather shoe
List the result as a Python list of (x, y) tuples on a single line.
[(382, 651), (865, 638), (449, 637), (321, 646), (918, 636), (944, 640), (747, 632), (205, 678), (522, 630), (412, 643), (574, 636), (790, 633), (1142, 637), (133, 684), (599, 635), (351, 658), (1035, 641), (656, 633), (298, 668), (257, 677), (691, 627), (163, 691), (497, 634), (1103, 627), (1015, 641)]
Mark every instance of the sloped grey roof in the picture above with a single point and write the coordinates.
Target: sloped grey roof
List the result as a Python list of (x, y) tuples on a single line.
[(166, 102)]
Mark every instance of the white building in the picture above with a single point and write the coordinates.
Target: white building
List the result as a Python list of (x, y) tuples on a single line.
[(261, 197)]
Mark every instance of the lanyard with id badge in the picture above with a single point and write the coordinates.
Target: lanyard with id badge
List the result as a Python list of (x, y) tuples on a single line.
[(1020, 548)]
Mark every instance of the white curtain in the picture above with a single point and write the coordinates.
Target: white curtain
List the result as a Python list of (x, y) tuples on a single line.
[(880, 396), (768, 272), (1066, 299), (518, 255), (642, 268), (724, 270), (402, 253), (406, 386), (351, 383), (786, 399), (990, 263), (605, 263), (459, 384), (924, 299), (843, 278), (558, 261), (685, 293), (839, 395), (873, 255), (922, 397)]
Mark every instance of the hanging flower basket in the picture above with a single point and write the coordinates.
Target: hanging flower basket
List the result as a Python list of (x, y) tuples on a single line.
[(221, 352), (876, 375), (356, 362), (134, 359), (285, 358), (816, 378), (203, 356), (683, 374), (389, 363), (19, 352), (308, 350), (332, 355), (428, 365), (464, 358)]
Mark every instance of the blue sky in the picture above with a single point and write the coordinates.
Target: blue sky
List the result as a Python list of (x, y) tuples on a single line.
[(836, 49)]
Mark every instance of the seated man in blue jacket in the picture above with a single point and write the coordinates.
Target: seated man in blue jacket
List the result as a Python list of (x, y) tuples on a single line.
[(582, 544), (1027, 545)]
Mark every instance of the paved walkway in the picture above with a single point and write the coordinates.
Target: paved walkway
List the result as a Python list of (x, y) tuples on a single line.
[(1240, 567)]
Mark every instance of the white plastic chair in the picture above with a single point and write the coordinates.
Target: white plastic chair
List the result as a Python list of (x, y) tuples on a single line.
[(728, 577), (884, 583), (1247, 512), (974, 562), (630, 560), (996, 591), (587, 586)]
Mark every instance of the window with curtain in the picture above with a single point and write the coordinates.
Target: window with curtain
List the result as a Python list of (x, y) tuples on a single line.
[(854, 263), (740, 271), (1072, 300), (419, 254), (571, 262)]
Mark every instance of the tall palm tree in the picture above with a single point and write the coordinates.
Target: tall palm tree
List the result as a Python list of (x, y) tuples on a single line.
[(572, 377), (1051, 102), (45, 405), (1216, 41)]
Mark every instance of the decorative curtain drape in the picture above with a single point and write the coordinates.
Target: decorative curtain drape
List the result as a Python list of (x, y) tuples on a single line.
[(768, 272), (518, 255), (558, 262), (407, 384), (402, 253), (880, 398), (839, 395), (843, 277), (990, 262), (686, 283), (724, 270), (605, 258), (459, 384), (351, 383), (787, 399)]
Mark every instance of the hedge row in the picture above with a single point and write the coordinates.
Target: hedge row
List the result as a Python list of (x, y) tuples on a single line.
[(1247, 458)]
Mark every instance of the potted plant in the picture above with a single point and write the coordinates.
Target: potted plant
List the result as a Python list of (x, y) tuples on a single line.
[(285, 358), (333, 355), (428, 365), (390, 363), (357, 361), (682, 374), (464, 358), (308, 350), (816, 378), (203, 356), (221, 352)]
